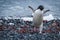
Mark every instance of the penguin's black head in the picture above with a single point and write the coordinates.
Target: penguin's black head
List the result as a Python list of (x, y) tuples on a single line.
[(40, 7)]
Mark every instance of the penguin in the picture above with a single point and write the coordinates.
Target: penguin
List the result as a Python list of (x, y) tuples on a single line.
[(38, 16)]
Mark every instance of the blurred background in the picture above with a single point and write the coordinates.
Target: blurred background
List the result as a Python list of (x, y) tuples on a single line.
[(20, 7)]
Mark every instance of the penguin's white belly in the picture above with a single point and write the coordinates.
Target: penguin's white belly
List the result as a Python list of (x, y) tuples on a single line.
[(37, 19)]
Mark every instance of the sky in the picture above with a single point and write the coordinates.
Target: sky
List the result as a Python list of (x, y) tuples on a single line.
[(20, 7)]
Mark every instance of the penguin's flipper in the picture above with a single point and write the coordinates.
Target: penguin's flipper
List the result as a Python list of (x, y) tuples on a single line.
[(31, 8), (46, 11)]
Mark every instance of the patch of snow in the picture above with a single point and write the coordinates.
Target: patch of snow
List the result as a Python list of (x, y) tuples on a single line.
[(48, 18)]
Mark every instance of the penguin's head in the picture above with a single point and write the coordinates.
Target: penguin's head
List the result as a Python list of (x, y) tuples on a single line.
[(40, 7)]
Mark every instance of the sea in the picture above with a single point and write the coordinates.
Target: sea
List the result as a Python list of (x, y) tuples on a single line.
[(20, 8)]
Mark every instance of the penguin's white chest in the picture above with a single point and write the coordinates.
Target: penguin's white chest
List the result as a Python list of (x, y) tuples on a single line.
[(37, 17)]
